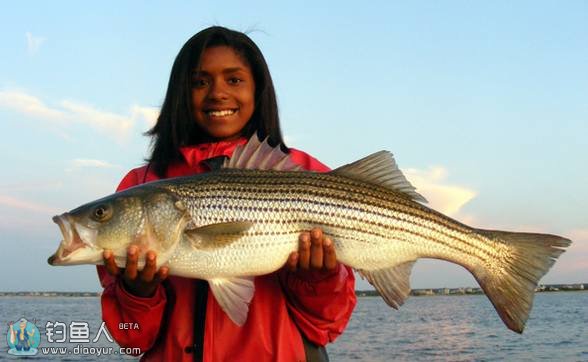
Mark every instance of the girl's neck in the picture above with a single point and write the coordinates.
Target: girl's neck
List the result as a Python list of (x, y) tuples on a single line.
[(212, 141)]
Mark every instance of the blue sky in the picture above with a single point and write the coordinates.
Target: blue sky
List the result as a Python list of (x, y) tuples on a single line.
[(483, 104)]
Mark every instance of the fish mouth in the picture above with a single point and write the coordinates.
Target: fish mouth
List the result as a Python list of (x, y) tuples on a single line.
[(71, 242)]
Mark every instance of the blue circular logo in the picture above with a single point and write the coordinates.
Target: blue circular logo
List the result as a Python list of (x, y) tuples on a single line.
[(23, 338)]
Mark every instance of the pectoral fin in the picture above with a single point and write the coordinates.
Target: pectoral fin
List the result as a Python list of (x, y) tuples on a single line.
[(217, 235), (234, 296), (393, 284)]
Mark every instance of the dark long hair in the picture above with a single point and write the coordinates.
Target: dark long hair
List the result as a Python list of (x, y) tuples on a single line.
[(176, 125)]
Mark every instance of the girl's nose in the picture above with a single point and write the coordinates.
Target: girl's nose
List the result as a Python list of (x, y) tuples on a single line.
[(217, 91)]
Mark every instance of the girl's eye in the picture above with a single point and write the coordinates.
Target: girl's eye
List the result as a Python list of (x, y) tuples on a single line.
[(199, 82), (235, 80)]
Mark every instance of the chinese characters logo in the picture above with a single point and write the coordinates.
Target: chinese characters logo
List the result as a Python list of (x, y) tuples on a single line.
[(79, 332)]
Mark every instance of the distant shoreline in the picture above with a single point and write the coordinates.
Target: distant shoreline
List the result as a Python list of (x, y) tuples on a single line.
[(542, 288), (359, 293)]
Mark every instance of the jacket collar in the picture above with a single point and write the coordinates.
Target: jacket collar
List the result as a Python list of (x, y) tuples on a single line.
[(195, 154)]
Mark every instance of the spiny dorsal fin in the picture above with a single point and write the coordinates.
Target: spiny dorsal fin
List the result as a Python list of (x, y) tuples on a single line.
[(380, 169), (256, 155), (393, 284)]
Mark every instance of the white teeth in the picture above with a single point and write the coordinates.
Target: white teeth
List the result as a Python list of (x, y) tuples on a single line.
[(223, 113)]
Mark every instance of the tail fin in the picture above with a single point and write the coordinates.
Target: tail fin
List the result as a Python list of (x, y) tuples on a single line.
[(512, 291)]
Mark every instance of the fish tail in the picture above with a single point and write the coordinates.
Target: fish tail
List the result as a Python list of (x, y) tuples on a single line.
[(511, 285)]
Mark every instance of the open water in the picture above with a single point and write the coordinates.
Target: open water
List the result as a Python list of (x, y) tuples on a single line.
[(438, 328), (465, 328)]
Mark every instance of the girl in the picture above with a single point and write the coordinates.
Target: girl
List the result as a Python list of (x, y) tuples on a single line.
[(220, 93)]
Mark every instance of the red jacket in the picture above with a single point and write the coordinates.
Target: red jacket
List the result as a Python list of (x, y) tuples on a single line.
[(284, 303)]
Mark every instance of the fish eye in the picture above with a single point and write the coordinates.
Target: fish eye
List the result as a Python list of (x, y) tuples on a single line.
[(102, 213)]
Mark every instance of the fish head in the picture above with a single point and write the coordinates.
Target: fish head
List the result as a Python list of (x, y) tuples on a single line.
[(148, 217)]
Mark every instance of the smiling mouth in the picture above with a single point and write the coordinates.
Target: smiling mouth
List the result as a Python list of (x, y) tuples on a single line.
[(220, 112)]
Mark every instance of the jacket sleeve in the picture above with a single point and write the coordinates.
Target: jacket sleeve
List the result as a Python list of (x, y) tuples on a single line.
[(119, 306), (320, 304)]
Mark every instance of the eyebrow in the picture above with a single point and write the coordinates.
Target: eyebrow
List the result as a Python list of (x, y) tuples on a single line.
[(225, 71)]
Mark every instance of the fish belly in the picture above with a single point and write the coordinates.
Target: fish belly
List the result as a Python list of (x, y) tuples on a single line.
[(250, 255)]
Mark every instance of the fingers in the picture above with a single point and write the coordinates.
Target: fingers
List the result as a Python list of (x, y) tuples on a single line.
[(315, 252), (330, 258), (161, 274), (148, 272), (143, 282), (109, 263), (292, 262), (316, 248), (131, 271), (132, 259), (304, 251)]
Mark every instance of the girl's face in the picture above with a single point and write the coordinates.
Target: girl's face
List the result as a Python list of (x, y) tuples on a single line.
[(223, 93)]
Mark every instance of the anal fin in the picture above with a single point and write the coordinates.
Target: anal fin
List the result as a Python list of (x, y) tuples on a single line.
[(393, 283)]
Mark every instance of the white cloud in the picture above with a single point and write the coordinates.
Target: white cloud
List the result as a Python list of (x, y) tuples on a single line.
[(82, 162), (571, 266), (578, 251), (14, 202), (69, 112), (445, 198), (86, 163), (17, 185), (29, 105), (579, 234), (33, 43), (289, 140), (147, 114), (115, 125)]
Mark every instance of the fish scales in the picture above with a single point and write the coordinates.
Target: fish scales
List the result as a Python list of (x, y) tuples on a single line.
[(340, 191), (342, 199), (258, 194), (281, 204)]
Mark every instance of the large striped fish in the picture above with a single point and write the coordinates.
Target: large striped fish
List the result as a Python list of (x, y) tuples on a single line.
[(243, 220)]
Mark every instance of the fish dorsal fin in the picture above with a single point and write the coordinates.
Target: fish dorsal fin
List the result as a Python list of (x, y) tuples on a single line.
[(217, 235), (234, 295), (381, 169), (393, 284), (256, 155)]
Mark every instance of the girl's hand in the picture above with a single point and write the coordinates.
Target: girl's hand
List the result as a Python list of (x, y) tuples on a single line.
[(140, 283), (316, 253)]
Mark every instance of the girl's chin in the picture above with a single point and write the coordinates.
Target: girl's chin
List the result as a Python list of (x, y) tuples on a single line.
[(223, 131), (224, 136)]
